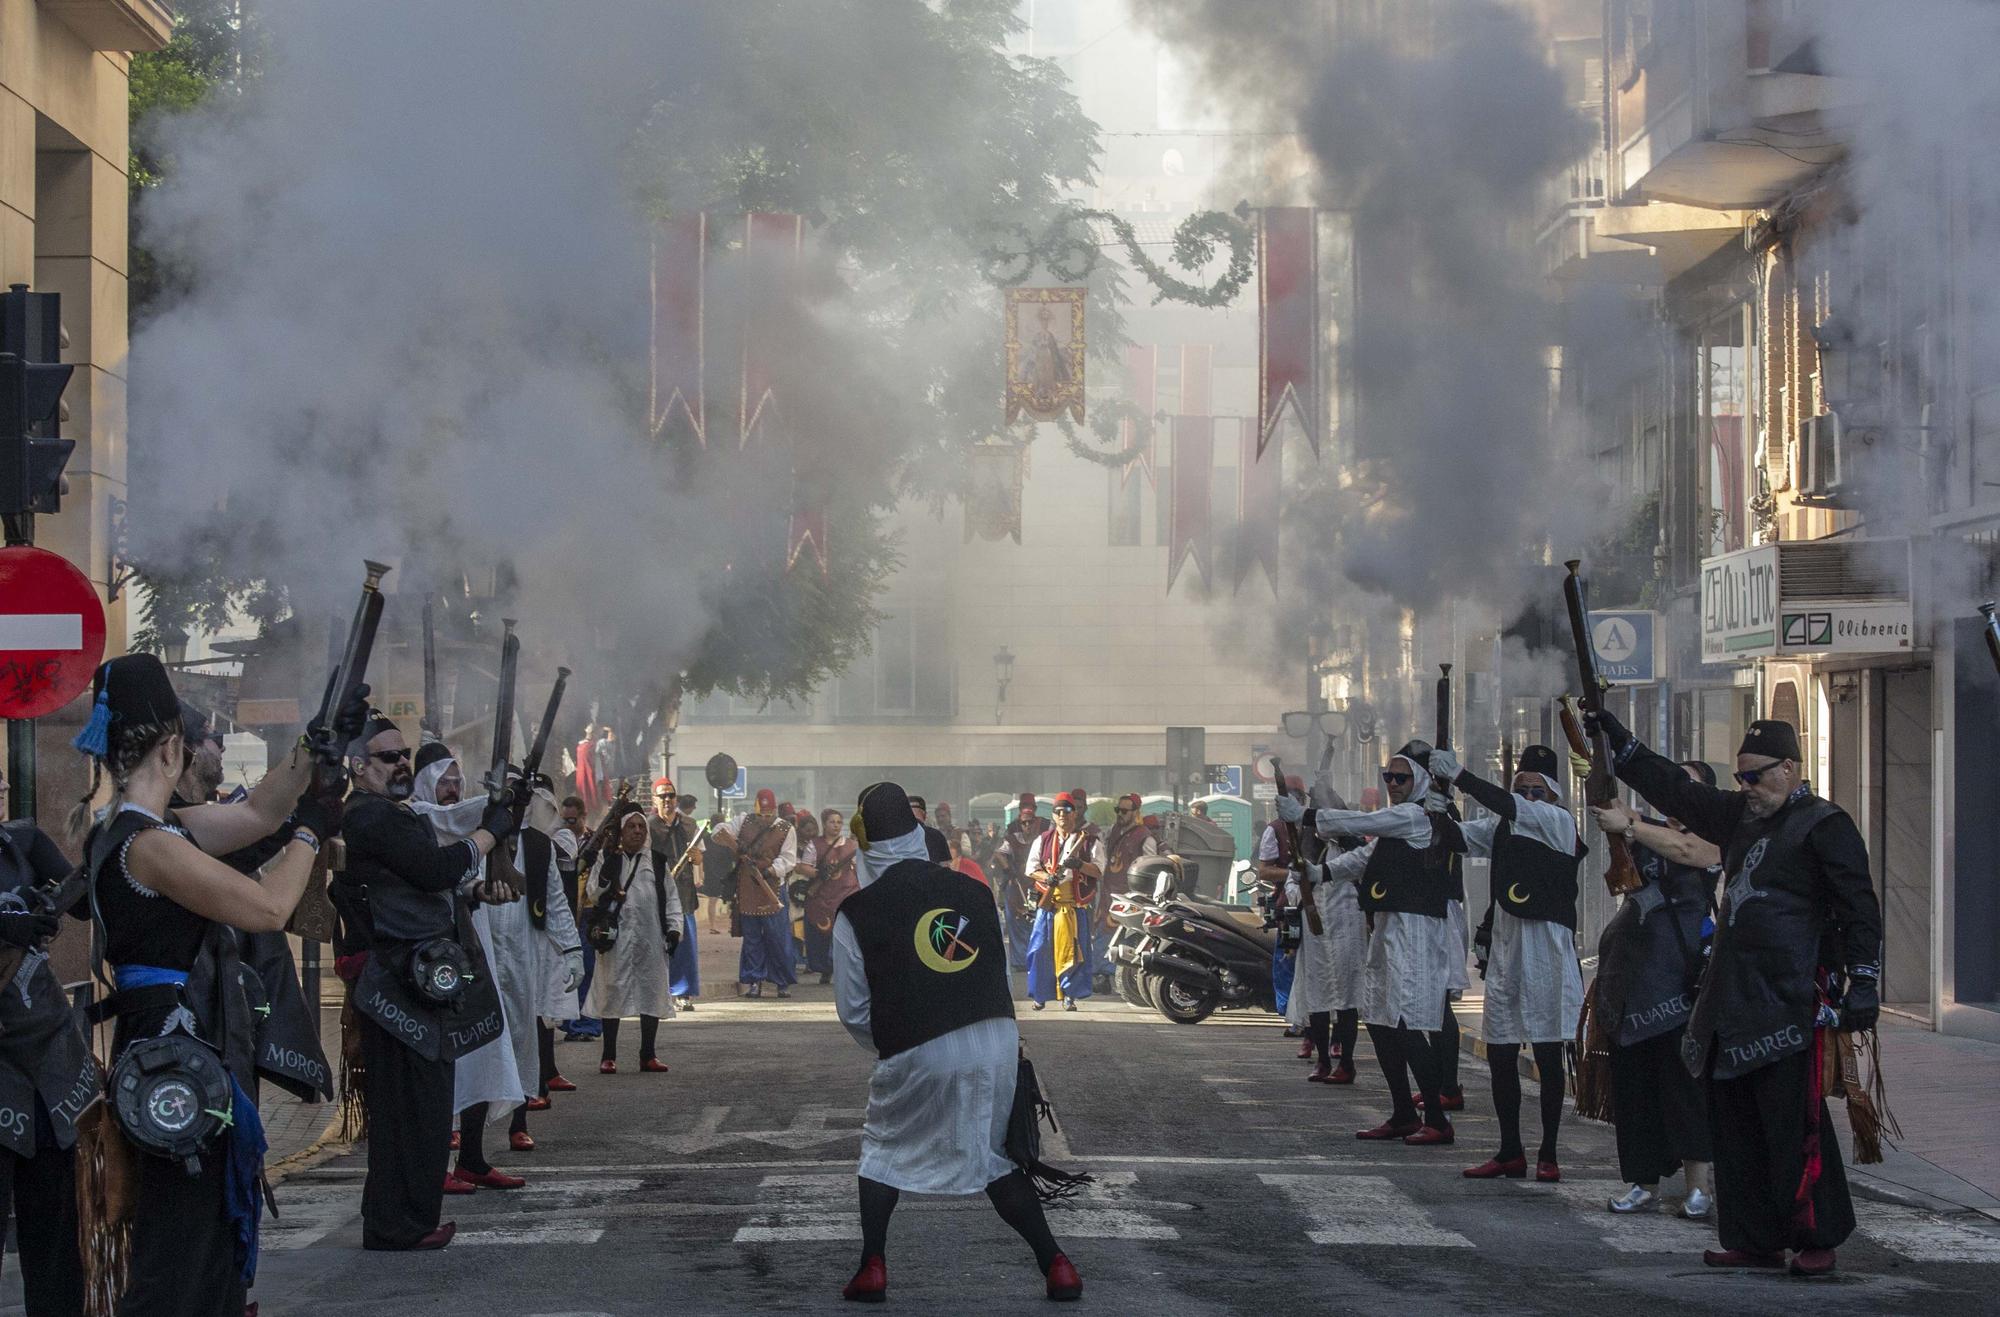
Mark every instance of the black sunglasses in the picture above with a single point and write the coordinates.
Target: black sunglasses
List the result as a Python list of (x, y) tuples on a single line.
[(1750, 777), (1537, 793), (1398, 779), (1065, 809), (389, 756)]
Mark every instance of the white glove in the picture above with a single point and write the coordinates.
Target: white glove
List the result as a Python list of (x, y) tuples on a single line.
[(1444, 768), (572, 969), (1290, 810)]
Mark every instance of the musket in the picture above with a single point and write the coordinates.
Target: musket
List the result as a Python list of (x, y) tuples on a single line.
[(352, 669), (503, 709), (533, 763), (1599, 788), (1992, 633), (1443, 741), (1306, 903), (433, 724)]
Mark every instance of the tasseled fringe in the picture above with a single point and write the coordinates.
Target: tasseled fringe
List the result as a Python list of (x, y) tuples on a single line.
[(353, 1078), (1052, 1184), (1590, 1063), (103, 1212), (95, 738), (1868, 1114)]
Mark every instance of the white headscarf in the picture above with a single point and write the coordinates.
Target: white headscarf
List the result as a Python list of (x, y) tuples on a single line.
[(878, 857), (451, 822), (1420, 787)]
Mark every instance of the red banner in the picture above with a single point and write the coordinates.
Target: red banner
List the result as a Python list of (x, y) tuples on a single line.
[(1187, 514), (772, 245), (680, 256), (1197, 380), (1288, 346), (1142, 391), (1259, 487), (808, 527)]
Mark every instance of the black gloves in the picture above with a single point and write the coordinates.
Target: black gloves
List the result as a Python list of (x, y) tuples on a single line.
[(27, 928), (1862, 1003), (673, 940), (1482, 947), (500, 820), (1602, 720), (348, 720), (320, 813)]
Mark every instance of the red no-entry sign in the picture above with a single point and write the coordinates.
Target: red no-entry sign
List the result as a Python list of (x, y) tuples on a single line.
[(51, 632)]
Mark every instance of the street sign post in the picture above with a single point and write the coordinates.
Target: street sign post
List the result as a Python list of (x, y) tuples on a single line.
[(51, 641), (1187, 770), (1625, 643), (740, 788), (1226, 779)]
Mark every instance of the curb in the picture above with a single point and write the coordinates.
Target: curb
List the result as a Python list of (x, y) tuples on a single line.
[(322, 1149)]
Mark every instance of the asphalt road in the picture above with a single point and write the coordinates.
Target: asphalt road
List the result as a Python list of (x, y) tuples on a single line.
[(1226, 1185)]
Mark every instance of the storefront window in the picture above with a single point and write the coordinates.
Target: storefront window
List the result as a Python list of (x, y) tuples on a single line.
[(1725, 361)]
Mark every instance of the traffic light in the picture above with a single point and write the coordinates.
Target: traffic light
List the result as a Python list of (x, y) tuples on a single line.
[(32, 456), (32, 450)]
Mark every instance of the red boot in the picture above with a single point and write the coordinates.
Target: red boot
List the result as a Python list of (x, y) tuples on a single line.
[(1305, 1049), (491, 1178), (1390, 1129), (1812, 1262), (653, 1065), (607, 1067), (1431, 1136), (1340, 1075), (538, 1104), (521, 1141), (456, 1186), (1548, 1172), (1064, 1284), (870, 1284), (1741, 1257), (557, 1084), (1514, 1168), (1320, 1073)]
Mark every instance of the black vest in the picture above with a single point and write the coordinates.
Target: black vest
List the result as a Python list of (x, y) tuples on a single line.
[(42, 1050), (1401, 877), (1760, 996), (1533, 881), (1649, 957), (931, 945)]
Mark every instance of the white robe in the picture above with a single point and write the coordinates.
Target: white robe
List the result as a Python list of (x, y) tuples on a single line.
[(1408, 966), (937, 1113), (528, 962), (1331, 967), (633, 978), (1534, 986)]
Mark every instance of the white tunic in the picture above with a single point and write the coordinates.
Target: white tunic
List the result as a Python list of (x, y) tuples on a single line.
[(1534, 986), (528, 962), (937, 1113), (632, 978), (1408, 966)]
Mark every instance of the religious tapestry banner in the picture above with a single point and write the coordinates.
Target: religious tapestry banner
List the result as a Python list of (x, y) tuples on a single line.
[(1045, 349)]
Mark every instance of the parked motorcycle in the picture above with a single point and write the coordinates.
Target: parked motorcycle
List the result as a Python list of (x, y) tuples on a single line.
[(1189, 956)]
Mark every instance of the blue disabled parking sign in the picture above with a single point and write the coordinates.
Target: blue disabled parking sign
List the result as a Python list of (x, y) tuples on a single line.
[(740, 788), (1624, 643)]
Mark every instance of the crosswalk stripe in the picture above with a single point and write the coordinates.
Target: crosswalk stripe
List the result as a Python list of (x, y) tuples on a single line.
[(1657, 1231), (563, 1234), (1361, 1209), (1923, 1238)]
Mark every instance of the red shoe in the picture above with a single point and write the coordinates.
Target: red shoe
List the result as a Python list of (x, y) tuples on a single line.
[(454, 1140), (1064, 1284), (557, 1084), (452, 1186), (1340, 1075), (653, 1065), (1547, 1173), (537, 1104), (1389, 1129), (491, 1178), (521, 1141), (1321, 1073), (870, 1284), (1305, 1049), (436, 1239), (1452, 1101), (1514, 1168), (1812, 1262), (1430, 1136), (607, 1067), (1741, 1257)]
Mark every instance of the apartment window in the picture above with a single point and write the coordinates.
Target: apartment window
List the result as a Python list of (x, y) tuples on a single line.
[(1724, 361), (908, 671)]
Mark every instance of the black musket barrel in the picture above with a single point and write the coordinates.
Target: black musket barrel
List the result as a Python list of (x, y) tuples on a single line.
[(1986, 610), (533, 763), (503, 707), (1443, 741), (353, 667), (433, 711), (1579, 629)]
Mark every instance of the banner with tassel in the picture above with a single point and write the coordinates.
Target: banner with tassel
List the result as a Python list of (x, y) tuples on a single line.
[(773, 246), (1259, 487), (1288, 346), (1188, 528), (680, 268)]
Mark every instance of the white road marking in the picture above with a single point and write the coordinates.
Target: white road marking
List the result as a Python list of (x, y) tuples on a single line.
[(808, 1210), (59, 631), (563, 1234), (307, 1215), (1362, 1209), (1921, 1237), (807, 1130), (1657, 1231)]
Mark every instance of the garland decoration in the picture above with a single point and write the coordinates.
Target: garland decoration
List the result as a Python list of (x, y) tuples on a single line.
[(1071, 255), (1104, 419)]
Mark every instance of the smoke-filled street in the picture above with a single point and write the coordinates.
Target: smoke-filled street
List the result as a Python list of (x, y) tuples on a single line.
[(1186, 655)]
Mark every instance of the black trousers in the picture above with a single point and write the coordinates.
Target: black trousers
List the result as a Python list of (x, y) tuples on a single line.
[(1759, 1124), (649, 1038), (1661, 1112), (41, 1190), (409, 1141), (545, 1054), (183, 1247)]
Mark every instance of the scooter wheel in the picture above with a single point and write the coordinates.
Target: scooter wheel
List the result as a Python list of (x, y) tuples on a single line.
[(1127, 980), (1185, 1005)]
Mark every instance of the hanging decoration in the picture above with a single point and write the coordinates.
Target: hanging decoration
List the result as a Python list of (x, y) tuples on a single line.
[(680, 256), (1069, 249), (773, 244), (1188, 528), (1135, 432), (808, 528), (1258, 489), (995, 472), (1288, 346), (1197, 379), (1045, 353)]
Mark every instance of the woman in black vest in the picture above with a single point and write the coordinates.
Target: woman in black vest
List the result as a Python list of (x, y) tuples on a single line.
[(163, 903), (920, 979), (1649, 963)]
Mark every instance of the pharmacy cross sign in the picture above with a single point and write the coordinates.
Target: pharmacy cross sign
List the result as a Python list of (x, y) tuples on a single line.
[(51, 632)]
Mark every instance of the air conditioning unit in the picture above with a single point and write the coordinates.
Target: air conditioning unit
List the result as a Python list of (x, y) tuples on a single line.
[(1820, 473)]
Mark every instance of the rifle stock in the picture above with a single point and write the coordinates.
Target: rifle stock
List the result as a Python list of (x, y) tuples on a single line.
[(1308, 906), (1600, 788), (1621, 875)]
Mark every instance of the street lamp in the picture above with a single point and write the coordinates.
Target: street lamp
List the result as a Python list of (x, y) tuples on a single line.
[(1003, 675)]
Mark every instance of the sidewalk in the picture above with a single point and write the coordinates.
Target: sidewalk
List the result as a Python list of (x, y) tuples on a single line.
[(1941, 1089), (292, 1127)]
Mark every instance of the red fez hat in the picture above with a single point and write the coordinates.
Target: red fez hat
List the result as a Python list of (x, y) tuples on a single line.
[(1130, 798), (766, 796), (1027, 800), (663, 784), (1066, 799)]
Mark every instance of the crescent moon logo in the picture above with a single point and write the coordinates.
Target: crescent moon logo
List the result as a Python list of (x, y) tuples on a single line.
[(1375, 892), (941, 941), (1515, 894)]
